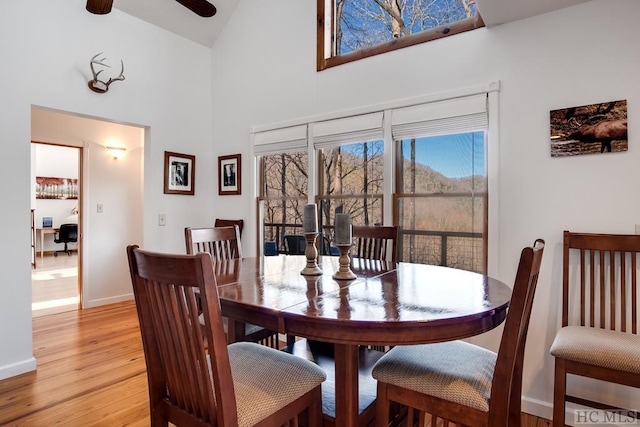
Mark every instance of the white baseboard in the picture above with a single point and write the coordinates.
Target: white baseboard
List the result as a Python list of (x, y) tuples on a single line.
[(105, 301), (543, 409), (18, 368), (538, 408)]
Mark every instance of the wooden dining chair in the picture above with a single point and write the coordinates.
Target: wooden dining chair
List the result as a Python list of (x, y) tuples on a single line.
[(461, 382), (599, 335), (372, 242), (220, 242), (242, 384), (229, 223), (223, 243)]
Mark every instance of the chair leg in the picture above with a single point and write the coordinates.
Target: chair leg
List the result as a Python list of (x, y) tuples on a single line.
[(559, 392), (314, 412), (382, 406)]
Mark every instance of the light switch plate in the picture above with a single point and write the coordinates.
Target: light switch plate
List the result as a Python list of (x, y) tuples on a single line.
[(162, 220)]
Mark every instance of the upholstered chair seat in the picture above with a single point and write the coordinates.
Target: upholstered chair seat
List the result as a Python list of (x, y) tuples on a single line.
[(266, 380), (599, 347), (454, 371)]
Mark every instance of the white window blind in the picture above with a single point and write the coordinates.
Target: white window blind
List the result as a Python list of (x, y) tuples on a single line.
[(362, 128), (281, 140), (456, 115)]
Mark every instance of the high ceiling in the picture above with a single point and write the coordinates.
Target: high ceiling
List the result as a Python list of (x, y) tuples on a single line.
[(174, 17)]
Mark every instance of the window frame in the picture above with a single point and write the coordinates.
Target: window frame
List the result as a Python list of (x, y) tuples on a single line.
[(323, 63), (491, 89)]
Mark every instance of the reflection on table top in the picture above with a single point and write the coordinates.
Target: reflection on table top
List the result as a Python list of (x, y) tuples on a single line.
[(382, 299)]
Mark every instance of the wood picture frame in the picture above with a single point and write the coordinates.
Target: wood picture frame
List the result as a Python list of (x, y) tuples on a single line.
[(179, 173), (230, 175)]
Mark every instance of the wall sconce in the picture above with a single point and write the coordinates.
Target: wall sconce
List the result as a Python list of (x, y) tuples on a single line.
[(116, 152), (99, 7)]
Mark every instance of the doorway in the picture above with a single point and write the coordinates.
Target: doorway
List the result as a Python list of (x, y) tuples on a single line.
[(55, 279), (110, 203)]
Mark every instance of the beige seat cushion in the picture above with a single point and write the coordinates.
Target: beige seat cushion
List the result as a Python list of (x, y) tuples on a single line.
[(599, 347), (455, 371), (265, 380)]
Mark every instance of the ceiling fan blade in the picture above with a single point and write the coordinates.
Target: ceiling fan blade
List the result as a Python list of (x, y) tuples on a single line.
[(199, 7)]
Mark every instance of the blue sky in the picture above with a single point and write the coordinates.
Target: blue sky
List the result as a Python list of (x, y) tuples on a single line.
[(454, 156)]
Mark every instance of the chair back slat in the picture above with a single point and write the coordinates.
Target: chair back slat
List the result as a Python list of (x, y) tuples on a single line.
[(221, 242), (373, 242), (186, 378), (606, 282)]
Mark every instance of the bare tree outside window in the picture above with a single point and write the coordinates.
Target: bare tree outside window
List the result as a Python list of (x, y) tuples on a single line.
[(284, 193), (352, 182), (362, 28)]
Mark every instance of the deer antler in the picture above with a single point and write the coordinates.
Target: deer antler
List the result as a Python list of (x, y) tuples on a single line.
[(120, 77), (98, 85)]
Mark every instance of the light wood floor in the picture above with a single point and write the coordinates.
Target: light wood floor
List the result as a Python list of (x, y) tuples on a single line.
[(91, 372), (54, 284)]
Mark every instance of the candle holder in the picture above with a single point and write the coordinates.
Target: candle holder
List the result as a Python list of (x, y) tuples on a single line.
[(344, 271), (311, 253)]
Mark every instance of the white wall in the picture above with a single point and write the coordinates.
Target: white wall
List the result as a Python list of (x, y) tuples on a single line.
[(46, 46), (579, 55)]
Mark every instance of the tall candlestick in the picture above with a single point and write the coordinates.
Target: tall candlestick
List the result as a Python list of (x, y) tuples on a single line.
[(343, 229), (310, 219)]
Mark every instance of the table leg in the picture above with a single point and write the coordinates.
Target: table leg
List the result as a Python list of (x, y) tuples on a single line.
[(235, 331), (346, 369), (41, 244)]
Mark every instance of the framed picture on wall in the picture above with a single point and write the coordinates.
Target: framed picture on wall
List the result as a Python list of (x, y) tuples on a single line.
[(229, 175), (589, 129), (179, 173)]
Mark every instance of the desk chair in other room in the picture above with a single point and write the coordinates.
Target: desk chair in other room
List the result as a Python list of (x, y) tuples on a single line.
[(68, 234), (599, 336), (461, 382), (372, 242), (241, 384), (223, 243)]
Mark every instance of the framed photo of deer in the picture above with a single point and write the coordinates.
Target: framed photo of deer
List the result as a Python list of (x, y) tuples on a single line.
[(179, 173), (588, 129)]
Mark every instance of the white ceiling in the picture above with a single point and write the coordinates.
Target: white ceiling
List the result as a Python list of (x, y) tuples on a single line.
[(174, 17)]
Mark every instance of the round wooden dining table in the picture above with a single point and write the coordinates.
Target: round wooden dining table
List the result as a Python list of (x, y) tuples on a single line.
[(387, 304)]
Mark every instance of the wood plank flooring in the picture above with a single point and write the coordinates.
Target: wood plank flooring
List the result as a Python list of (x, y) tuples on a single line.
[(91, 372), (54, 284)]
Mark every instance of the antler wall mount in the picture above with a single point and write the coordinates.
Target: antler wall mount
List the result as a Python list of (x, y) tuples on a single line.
[(98, 85)]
